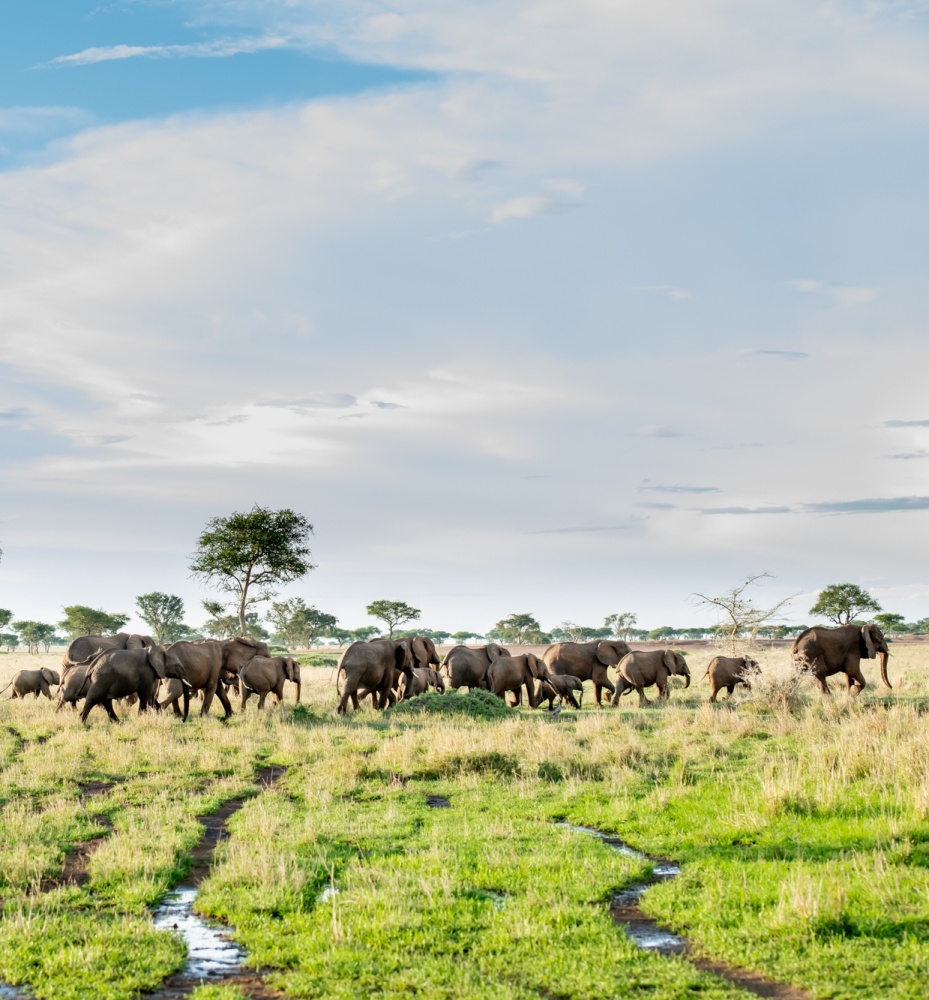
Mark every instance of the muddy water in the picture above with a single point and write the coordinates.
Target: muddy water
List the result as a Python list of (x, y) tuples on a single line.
[(210, 955)]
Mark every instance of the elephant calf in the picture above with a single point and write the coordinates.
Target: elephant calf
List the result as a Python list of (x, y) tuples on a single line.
[(643, 668), (512, 673), (422, 679), (264, 675), (561, 687), (33, 682), (727, 671)]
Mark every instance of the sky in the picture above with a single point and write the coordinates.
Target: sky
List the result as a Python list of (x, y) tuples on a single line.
[(568, 307)]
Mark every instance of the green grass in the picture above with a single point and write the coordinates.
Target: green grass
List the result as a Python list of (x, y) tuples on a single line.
[(803, 836)]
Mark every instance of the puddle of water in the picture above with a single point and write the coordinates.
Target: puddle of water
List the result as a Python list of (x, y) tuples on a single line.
[(646, 935), (11, 992), (328, 893), (438, 802), (209, 954)]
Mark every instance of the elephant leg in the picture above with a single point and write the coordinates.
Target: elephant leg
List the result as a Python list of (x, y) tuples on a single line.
[(731, 689), (89, 703), (36, 694), (571, 700), (714, 692), (643, 701), (343, 702), (245, 696), (600, 678), (46, 691), (855, 677), (108, 705), (261, 699)]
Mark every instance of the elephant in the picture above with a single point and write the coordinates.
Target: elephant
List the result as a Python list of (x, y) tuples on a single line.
[(512, 673), (727, 671), (554, 686), (33, 682), (424, 654), (173, 690), (86, 646), (207, 661), (117, 673), (424, 678), (588, 661), (263, 675), (74, 686), (642, 668), (467, 667), (369, 667), (826, 651)]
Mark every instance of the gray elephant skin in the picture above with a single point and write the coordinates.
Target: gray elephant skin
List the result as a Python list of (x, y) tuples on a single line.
[(424, 678), (87, 646), (423, 654), (728, 671), (207, 660), (562, 687), (33, 682), (643, 668), (588, 661), (370, 667), (827, 651), (467, 666), (264, 675), (118, 673), (513, 673)]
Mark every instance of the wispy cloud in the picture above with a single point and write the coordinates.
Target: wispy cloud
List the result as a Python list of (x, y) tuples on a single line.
[(219, 49), (841, 295), (16, 413), (668, 291), (659, 431), (906, 423), (789, 355), (581, 529), (383, 405), (911, 454), (679, 489), (326, 401), (745, 510), (878, 505), (560, 194), (655, 505)]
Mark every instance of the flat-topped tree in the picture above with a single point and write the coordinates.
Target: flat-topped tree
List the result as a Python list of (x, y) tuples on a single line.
[(842, 603), (163, 614), (81, 620), (392, 613), (251, 554)]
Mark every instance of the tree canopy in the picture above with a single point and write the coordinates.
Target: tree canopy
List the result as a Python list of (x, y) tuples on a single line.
[(842, 603), (35, 634), (738, 613), (622, 624), (299, 624), (251, 554), (393, 613), (5, 617), (163, 614), (81, 620), (518, 629)]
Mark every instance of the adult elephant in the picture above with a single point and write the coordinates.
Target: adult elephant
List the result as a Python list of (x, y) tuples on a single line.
[(727, 671), (827, 651), (370, 666), (643, 668), (588, 661), (206, 661), (119, 673), (513, 673), (33, 682), (87, 646), (467, 666), (264, 675)]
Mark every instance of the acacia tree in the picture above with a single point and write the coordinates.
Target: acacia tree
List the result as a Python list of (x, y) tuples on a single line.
[(250, 554), (81, 620), (5, 617), (163, 614), (298, 624), (622, 624), (843, 602), (392, 613), (35, 634), (739, 614), (518, 629)]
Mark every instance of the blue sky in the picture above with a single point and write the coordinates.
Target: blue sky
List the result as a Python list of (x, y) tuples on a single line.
[(570, 308)]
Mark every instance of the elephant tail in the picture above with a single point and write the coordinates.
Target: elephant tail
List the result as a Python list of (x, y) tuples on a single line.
[(8, 686), (338, 680)]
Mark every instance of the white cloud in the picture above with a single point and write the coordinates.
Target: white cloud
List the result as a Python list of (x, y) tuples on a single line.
[(841, 295), (218, 49), (668, 291)]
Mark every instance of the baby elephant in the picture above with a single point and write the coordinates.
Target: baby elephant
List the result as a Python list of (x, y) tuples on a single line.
[(727, 671), (33, 682), (424, 678), (561, 686)]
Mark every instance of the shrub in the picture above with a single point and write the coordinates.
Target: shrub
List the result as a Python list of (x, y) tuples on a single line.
[(475, 705)]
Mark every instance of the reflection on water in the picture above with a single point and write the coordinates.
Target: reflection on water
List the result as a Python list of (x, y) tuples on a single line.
[(209, 953)]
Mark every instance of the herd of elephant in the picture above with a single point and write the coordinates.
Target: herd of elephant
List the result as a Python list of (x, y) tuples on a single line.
[(389, 670), (104, 669)]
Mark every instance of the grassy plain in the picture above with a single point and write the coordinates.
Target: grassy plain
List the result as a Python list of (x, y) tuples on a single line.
[(802, 826)]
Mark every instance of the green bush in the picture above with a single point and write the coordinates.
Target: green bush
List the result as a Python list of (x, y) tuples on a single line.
[(318, 659), (474, 705)]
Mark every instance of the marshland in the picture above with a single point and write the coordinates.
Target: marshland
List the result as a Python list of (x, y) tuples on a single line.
[(431, 848)]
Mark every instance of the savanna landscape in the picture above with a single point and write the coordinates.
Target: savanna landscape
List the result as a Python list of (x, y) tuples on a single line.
[(448, 847)]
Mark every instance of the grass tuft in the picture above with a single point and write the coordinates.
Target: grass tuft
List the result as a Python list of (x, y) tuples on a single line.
[(479, 705)]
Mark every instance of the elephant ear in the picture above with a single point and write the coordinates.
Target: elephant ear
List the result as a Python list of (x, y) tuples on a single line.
[(868, 640), (494, 652), (606, 654), (535, 665), (246, 640), (402, 657), (432, 653), (417, 649), (156, 657), (50, 676), (670, 661)]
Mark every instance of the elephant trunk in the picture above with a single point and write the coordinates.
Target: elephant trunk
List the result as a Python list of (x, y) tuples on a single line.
[(298, 690), (186, 688), (883, 657), (686, 675)]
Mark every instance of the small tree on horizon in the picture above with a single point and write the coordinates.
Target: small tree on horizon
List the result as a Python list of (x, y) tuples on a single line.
[(251, 554), (518, 629), (891, 624), (622, 624), (842, 603), (35, 634), (81, 620), (5, 617), (738, 613), (163, 614), (392, 613)]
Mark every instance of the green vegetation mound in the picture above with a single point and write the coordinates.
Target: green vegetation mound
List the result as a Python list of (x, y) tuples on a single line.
[(317, 659), (474, 705)]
